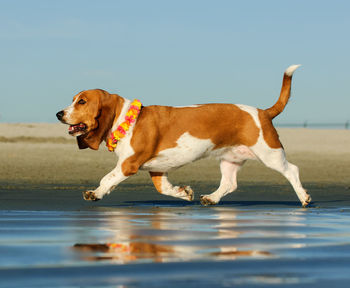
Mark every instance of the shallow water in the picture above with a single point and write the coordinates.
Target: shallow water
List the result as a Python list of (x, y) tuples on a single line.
[(170, 245)]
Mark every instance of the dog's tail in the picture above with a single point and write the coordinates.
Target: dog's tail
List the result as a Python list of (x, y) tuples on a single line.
[(285, 93)]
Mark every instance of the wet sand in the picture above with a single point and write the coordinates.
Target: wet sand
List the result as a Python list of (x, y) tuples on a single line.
[(257, 236), (173, 246)]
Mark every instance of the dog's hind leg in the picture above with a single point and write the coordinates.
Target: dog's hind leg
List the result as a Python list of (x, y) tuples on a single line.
[(228, 182), (163, 186), (276, 159)]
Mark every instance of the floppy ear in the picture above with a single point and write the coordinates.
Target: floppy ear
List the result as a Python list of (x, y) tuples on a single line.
[(105, 118)]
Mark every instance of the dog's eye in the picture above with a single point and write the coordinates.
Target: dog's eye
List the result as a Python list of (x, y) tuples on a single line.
[(81, 101)]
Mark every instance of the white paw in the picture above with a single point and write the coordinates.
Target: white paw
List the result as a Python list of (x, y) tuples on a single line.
[(307, 201), (90, 196), (187, 193), (206, 200)]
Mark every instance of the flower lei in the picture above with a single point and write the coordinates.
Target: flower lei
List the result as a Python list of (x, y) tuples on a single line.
[(130, 118)]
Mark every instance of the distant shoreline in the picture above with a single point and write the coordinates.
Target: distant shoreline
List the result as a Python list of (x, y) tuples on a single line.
[(28, 139)]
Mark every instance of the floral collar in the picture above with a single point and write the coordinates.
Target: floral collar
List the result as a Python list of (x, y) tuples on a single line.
[(120, 132)]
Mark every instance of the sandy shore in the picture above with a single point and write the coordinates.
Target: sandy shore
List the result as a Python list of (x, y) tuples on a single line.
[(135, 237), (44, 155)]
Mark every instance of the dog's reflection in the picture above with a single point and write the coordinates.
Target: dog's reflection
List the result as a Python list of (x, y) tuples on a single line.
[(125, 252), (164, 240)]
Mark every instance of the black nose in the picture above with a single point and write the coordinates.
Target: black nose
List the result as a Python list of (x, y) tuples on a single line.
[(60, 115)]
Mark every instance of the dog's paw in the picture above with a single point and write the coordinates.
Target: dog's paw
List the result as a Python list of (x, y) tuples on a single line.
[(307, 201), (90, 196), (206, 201), (189, 193)]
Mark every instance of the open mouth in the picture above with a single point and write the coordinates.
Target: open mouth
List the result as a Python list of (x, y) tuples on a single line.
[(73, 129)]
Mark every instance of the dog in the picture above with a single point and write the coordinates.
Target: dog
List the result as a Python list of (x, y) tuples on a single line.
[(160, 138)]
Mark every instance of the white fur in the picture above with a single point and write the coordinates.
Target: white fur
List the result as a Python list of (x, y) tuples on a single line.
[(123, 112), (290, 70), (236, 154), (69, 110), (188, 149), (112, 179), (228, 181), (253, 112), (167, 188)]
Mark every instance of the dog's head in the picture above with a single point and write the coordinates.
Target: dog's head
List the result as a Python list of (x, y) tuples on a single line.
[(91, 116)]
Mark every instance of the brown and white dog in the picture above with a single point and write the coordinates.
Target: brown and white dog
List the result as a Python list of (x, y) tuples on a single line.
[(164, 138)]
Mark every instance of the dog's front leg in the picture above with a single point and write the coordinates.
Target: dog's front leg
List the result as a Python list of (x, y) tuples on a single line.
[(107, 184), (163, 186)]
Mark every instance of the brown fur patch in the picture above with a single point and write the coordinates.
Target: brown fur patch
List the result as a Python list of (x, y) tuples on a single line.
[(282, 101), (269, 132), (159, 127), (224, 124), (98, 112), (157, 180)]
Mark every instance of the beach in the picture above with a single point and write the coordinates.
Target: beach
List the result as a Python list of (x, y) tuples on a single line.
[(258, 235), (44, 159)]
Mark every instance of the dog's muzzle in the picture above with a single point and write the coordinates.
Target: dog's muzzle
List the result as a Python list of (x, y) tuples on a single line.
[(60, 115)]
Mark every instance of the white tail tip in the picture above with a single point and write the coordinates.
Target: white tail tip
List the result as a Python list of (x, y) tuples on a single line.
[(290, 70)]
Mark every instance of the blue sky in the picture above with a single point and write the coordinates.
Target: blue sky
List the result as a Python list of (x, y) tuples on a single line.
[(175, 53)]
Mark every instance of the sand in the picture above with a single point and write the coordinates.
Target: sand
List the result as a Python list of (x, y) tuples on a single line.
[(135, 237), (43, 169), (44, 154)]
